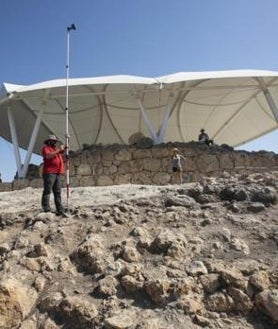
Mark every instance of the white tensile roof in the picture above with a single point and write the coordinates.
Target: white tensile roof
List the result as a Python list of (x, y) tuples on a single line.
[(234, 107)]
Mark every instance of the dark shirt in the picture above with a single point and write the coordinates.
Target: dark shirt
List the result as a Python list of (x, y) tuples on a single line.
[(203, 137)]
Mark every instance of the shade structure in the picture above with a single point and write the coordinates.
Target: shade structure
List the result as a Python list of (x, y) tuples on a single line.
[(233, 106)]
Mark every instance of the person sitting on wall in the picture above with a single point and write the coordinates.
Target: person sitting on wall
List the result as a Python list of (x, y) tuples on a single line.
[(204, 138)]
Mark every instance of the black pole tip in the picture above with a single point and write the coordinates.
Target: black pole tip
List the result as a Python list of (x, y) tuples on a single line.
[(72, 27)]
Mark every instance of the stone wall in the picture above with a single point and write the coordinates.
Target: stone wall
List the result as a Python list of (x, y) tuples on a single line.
[(122, 164)]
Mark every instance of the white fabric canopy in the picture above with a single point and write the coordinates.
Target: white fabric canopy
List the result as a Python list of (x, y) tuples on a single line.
[(233, 106)]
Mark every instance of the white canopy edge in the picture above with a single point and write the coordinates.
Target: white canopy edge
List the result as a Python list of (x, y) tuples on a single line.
[(129, 79), (116, 79), (188, 76)]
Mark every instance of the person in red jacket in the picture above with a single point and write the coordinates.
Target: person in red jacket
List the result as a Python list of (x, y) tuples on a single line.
[(53, 168)]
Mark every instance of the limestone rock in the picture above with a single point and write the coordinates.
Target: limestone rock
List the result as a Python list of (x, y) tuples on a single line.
[(39, 283), (157, 290), (177, 249), (119, 322), (266, 196), (108, 285), (267, 301), (242, 302), (11, 313), (16, 301), (152, 323), (48, 324), (104, 180), (29, 324), (89, 256), (131, 284), (240, 245), (31, 264), (260, 280), (207, 163), (134, 138), (83, 169), (181, 200), (163, 240), (256, 207), (4, 248), (145, 143), (233, 278), (80, 313), (241, 194), (226, 234), (130, 254), (226, 161), (210, 282), (123, 155), (160, 152), (50, 302), (196, 268), (131, 269), (21, 242), (161, 178), (189, 305), (38, 250), (228, 193), (219, 302), (184, 286), (144, 238), (202, 321), (152, 165)]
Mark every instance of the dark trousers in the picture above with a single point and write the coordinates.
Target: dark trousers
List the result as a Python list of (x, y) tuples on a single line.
[(209, 142), (52, 182)]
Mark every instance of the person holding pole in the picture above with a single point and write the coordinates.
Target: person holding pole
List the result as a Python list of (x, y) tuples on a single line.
[(53, 168)]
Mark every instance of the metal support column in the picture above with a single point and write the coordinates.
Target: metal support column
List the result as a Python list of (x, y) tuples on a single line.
[(15, 142), (147, 121), (269, 98), (32, 142), (164, 123)]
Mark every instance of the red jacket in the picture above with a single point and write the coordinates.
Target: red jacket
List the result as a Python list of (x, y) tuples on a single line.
[(54, 165)]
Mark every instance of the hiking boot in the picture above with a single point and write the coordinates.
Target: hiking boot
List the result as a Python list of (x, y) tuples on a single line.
[(62, 214)]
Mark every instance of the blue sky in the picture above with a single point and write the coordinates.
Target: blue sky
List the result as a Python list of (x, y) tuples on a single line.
[(136, 37)]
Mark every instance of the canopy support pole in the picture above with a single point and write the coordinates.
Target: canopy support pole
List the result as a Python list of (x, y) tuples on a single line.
[(23, 168), (147, 122), (32, 142), (157, 137), (15, 142), (269, 98), (165, 120)]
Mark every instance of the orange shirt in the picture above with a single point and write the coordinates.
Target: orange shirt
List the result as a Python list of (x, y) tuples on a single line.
[(53, 165)]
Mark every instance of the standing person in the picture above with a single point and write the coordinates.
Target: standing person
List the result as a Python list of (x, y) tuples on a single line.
[(204, 138), (0, 178), (176, 165), (53, 168)]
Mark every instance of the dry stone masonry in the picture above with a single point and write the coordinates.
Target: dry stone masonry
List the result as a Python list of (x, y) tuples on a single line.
[(99, 165)]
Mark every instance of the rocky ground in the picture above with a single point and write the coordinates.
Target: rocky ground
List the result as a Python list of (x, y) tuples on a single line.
[(198, 255)]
